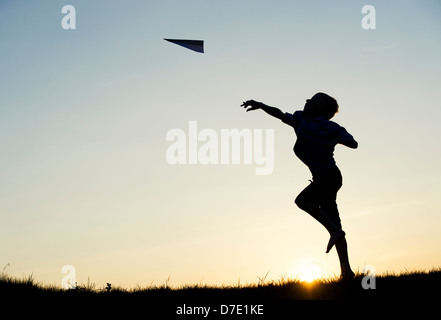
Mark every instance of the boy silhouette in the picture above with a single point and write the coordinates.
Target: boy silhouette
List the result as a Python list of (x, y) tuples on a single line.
[(317, 137)]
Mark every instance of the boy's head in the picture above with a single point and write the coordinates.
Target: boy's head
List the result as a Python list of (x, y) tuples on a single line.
[(321, 104)]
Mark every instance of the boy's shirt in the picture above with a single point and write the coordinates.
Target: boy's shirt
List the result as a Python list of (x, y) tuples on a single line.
[(315, 140)]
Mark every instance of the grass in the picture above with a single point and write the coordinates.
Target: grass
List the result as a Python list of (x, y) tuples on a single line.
[(410, 284), (280, 299)]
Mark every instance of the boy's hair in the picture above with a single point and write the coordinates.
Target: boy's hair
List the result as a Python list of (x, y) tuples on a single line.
[(324, 105)]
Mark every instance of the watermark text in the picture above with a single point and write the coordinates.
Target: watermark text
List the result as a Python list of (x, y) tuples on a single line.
[(229, 146), (69, 281)]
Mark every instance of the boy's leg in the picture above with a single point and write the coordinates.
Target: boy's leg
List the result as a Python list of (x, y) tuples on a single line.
[(342, 250), (336, 234), (330, 208), (305, 201)]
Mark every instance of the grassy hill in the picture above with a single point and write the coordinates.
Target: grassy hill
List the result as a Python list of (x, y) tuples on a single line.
[(274, 297)]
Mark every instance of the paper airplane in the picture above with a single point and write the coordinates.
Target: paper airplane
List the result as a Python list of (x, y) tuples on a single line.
[(195, 45)]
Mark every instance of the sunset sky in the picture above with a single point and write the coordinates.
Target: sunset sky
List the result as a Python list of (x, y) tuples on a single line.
[(84, 114)]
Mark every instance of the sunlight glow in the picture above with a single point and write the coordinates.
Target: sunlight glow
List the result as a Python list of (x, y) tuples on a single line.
[(311, 272)]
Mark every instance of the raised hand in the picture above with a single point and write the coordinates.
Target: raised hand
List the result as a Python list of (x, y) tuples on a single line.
[(253, 105)]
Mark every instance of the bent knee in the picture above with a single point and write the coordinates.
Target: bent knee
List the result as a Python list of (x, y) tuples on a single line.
[(301, 202), (305, 203)]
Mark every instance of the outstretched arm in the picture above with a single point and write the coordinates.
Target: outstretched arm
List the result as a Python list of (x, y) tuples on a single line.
[(346, 139), (272, 111), (348, 142)]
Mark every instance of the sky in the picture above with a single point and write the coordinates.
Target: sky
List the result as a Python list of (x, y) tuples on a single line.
[(85, 112)]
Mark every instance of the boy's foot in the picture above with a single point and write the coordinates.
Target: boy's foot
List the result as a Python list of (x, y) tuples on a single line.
[(335, 237), (347, 276)]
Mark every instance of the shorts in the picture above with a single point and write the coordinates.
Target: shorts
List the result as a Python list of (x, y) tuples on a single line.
[(322, 191)]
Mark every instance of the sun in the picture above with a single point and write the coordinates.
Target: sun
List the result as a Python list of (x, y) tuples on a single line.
[(311, 272)]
